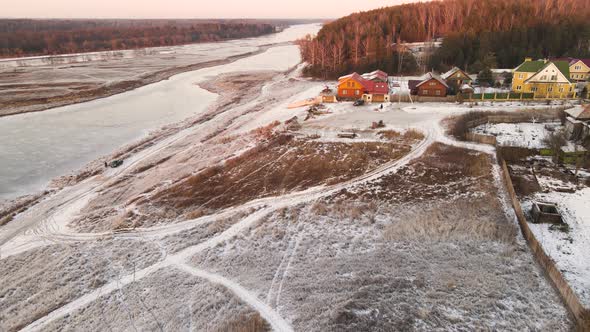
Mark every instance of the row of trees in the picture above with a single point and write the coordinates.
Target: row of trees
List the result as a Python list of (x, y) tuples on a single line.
[(507, 49), (49, 37), (368, 39)]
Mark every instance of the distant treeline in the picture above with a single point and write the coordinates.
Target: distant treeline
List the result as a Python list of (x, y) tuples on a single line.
[(23, 37), (477, 34)]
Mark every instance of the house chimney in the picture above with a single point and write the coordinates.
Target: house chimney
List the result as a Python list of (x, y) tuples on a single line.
[(527, 59)]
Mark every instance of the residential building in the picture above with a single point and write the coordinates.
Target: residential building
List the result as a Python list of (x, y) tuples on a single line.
[(378, 76), (352, 86), (580, 70), (355, 86), (430, 85), (456, 78), (543, 78), (577, 123)]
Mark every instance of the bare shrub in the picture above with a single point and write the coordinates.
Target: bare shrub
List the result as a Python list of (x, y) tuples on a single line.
[(122, 222), (245, 323), (462, 124), (196, 213), (555, 141), (480, 219), (319, 208), (413, 134), (354, 212), (389, 134), (267, 131), (275, 167)]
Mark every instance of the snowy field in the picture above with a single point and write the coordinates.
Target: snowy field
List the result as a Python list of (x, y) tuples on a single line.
[(570, 248), (526, 135), (204, 229)]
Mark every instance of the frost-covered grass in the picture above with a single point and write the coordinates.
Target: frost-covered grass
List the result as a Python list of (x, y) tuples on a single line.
[(39, 281), (280, 166), (167, 300), (418, 262), (348, 271)]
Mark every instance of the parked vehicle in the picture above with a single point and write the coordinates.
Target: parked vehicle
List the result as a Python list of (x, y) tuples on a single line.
[(116, 163), (359, 102)]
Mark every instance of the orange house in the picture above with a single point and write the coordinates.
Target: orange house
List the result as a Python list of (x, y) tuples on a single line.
[(352, 86)]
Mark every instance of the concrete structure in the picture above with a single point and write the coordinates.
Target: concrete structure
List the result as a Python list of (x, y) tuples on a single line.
[(545, 213)]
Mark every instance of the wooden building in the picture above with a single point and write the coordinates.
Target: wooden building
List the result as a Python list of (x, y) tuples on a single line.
[(431, 85), (352, 86), (456, 78), (371, 86)]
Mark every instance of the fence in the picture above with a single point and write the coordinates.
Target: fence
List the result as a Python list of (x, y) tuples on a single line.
[(422, 99), (510, 96), (581, 313), (511, 118), (481, 138)]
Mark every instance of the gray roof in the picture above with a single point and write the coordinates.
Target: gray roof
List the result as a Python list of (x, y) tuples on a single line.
[(430, 76)]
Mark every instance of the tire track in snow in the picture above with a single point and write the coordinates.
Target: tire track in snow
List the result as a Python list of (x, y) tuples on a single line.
[(271, 316), (273, 204)]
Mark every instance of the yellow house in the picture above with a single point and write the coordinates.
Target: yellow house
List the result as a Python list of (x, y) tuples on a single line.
[(580, 69), (544, 78)]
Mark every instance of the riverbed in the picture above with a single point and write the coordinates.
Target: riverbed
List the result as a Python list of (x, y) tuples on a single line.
[(36, 147)]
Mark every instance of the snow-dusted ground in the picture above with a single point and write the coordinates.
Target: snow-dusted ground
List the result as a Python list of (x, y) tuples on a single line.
[(351, 268), (570, 249), (34, 152), (526, 135)]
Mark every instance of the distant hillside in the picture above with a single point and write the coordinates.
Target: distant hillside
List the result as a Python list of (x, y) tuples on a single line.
[(478, 34), (22, 37)]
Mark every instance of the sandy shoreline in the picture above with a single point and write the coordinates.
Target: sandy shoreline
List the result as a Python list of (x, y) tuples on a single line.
[(232, 90), (32, 105)]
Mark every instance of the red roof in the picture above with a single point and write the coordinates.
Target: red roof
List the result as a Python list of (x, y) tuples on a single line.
[(370, 86)]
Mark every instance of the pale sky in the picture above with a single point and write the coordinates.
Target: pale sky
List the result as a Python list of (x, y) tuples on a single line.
[(188, 8)]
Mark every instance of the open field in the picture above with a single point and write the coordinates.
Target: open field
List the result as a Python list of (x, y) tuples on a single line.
[(231, 220)]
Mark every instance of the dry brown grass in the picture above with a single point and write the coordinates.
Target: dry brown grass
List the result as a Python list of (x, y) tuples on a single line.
[(245, 323), (196, 213), (408, 136), (413, 134), (389, 134), (478, 219), (266, 132), (443, 171), (280, 166)]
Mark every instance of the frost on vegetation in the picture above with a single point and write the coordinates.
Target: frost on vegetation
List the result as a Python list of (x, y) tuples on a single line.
[(39, 281), (167, 300), (327, 268), (281, 165)]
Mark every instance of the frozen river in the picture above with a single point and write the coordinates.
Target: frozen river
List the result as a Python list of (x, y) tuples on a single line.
[(36, 147)]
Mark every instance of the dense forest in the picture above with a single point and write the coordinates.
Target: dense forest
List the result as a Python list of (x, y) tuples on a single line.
[(477, 34), (22, 37)]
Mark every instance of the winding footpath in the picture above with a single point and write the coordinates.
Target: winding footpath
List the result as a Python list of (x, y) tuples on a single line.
[(53, 229)]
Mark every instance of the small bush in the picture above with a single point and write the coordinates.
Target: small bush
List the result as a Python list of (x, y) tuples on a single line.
[(245, 323), (413, 134), (319, 208), (389, 134)]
